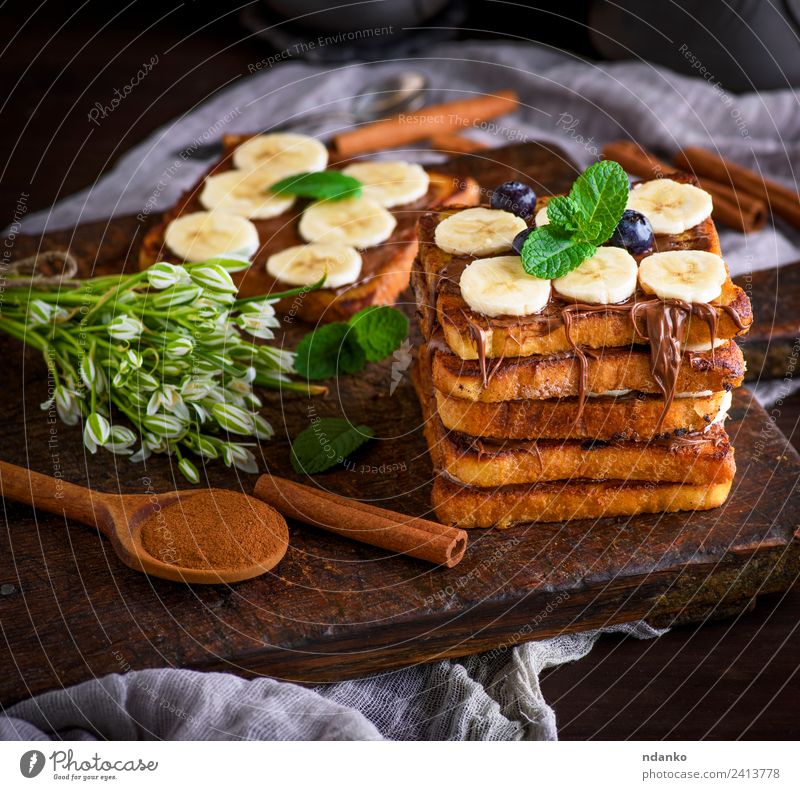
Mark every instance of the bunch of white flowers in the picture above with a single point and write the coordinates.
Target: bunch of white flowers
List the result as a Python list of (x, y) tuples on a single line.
[(166, 349)]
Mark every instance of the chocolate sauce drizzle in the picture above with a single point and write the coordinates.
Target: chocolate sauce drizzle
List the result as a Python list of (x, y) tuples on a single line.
[(662, 323)]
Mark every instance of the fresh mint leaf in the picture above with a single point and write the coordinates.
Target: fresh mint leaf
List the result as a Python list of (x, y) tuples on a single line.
[(379, 331), (563, 213), (327, 350), (323, 185), (600, 195), (326, 443), (549, 253)]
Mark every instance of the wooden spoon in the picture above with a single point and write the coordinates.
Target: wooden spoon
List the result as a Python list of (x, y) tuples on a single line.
[(120, 518)]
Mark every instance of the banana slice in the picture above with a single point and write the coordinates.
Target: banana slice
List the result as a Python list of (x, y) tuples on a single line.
[(608, 277), (706, 346), (670, 206), (541, 217), (390, 183), (690, 275), (206, 234), (244, 194), (500, 286), (478, 231), (359, 222), (281, 154), (306, 263)]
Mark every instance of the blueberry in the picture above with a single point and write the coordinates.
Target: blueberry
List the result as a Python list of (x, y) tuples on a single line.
[(519, 240), (633, 233), (516, 197)]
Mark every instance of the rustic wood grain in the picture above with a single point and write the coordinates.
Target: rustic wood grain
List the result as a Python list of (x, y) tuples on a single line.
[(69, 610)]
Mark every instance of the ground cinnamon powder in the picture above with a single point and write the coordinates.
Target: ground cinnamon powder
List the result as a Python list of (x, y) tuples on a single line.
[(214, 529)]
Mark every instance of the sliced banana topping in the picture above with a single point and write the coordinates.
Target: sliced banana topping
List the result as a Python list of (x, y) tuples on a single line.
[(608, 277), (306, 263), (609, 394), (245, 194), (724, 407), (670, 206), (280, 155), (706, 346), (205, 234), (690, 275), (359, 222), (541, 217), (390, 183), (478, 231), (500, 286)]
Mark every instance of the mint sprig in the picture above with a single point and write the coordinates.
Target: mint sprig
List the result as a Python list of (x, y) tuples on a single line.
[(371, 335), (579, 222), (325, 443), (322, 185)]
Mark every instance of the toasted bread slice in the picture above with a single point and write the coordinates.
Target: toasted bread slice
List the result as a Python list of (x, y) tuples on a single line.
[(699, 459), (385, 271), (558, 375), (437, 275), (468, 507), (632, 417)]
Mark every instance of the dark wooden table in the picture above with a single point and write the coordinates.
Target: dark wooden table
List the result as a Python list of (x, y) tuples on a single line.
[(724, 679)]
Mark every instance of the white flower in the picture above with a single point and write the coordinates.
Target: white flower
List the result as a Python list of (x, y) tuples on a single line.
[(213, 277), (233, 418), (177, 295), (39, 312), (96, 432), (262, 429), (121, 440), (257, 326), (125, 327), (179, 347), (165, 275), (206, 448), (195, 388), (189, 470), (93, 377), (166, 426), (66, 402), (134, 359), (240, 457)]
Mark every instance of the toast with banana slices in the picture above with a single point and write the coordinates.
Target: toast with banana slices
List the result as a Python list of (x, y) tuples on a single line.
[(610, 371), (437, 281), (601, 391), (366, 245)]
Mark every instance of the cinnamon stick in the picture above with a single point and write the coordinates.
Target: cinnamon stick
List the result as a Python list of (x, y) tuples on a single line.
[(415, 537), (781, 200), (413, 126), (738, 210), (450, 143)]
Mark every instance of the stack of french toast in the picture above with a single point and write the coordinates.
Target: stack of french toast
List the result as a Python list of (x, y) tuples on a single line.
[(602, 392)]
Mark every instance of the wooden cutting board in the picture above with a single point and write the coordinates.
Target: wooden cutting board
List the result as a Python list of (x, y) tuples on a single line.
[(332, 609)]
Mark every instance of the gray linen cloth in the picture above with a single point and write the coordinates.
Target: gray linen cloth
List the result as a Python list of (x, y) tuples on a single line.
[(577, 104)]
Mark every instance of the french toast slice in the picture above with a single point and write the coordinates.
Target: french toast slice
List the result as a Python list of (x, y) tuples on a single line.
[(469, 507), (630, 417), (558, 375), (699, 459), (440, 304), (386, 267)]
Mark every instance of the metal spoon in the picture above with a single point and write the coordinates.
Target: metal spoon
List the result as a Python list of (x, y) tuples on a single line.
[(120, 518), (402, 92)]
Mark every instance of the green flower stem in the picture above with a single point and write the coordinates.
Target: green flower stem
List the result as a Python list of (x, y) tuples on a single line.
[(129, 282), (292, 386)]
